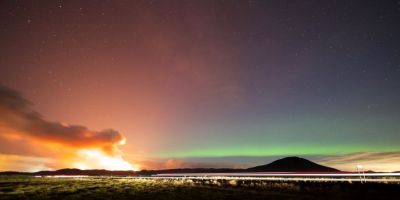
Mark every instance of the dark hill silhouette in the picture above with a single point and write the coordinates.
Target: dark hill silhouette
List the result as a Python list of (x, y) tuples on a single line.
[(289, 164), (92, 172), (69, 172), (190, 170), (292, 164), (102, 172)]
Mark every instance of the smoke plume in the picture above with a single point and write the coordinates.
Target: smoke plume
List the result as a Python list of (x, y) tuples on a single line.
[(19, 121)]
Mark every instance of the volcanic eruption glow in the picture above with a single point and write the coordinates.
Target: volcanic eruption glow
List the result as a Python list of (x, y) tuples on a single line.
[(97, 159)]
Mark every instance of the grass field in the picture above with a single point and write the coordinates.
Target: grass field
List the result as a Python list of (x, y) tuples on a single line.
[(25, 187)]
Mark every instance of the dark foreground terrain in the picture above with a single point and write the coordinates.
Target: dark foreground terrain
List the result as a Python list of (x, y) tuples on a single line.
[(27, 187)]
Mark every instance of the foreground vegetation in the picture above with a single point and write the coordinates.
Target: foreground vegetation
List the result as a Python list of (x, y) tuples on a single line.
[(25, 187)]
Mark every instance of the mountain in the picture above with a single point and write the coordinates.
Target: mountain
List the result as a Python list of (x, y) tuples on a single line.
[(289, 164), (292, 164)]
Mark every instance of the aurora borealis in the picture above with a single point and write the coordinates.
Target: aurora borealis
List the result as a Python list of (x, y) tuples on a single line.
[(202, 83)]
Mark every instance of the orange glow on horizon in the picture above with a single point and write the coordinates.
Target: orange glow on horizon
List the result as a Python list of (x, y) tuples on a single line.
[(97, 159)]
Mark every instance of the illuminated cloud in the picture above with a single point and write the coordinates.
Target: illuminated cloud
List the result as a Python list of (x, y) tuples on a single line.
[(24, 163), (375, 161), (18, 121)]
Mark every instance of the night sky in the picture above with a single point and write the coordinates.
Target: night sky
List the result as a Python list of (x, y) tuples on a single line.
[(199, 83)]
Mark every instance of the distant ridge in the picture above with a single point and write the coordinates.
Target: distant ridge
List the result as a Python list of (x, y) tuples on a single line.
[(91, 172), (190, 170), (70, 172), (292, 164), (102, 172), (289, 164)]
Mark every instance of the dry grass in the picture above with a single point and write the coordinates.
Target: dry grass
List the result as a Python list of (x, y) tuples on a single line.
[(20, 187)]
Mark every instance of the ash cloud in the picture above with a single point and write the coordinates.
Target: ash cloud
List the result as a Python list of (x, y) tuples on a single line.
[(16, 115)]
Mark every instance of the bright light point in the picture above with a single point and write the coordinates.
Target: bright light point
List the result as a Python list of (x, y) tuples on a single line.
[(122, 142), (359, 166), (96, 159)]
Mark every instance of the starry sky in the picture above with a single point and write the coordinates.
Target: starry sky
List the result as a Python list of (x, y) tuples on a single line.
[(200, 83)]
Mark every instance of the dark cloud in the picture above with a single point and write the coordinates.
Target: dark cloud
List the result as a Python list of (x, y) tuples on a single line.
[(16, 115)]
